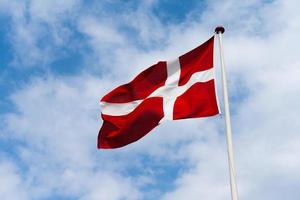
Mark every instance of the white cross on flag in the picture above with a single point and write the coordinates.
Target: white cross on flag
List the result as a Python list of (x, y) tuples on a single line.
[(180, 89)]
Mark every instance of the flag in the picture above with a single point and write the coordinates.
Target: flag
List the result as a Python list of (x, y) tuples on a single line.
[(169, 90)]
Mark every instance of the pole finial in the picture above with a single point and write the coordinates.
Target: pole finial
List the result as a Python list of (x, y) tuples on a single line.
[(219, 29)]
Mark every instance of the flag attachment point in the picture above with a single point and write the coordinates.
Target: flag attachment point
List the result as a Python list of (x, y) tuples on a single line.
[(220, 29)]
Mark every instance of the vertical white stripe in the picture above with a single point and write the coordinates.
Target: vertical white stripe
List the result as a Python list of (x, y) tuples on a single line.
[(173, 71)]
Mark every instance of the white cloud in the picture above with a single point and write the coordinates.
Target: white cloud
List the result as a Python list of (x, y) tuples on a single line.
[(50, 11), (11, 184), (59, 121), (36, 29)]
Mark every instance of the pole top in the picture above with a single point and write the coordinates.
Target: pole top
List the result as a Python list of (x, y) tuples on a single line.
[(219, 29)]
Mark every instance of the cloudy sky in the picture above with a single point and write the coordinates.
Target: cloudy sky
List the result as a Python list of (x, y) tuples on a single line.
[(57, 58)]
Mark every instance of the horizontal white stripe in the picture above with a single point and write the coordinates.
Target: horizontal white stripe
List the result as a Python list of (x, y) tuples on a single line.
[(116, 109), (175, 91), (167, 91)]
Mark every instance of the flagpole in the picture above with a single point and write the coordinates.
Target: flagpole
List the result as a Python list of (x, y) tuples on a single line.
[(233, 186)]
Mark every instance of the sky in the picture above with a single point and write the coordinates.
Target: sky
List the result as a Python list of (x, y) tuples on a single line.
[(58, 58)]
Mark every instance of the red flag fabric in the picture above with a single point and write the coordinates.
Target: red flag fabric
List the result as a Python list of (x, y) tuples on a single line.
[(180, 89)]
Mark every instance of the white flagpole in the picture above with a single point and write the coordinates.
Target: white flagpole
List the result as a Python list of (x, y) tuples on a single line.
[(233, 186)]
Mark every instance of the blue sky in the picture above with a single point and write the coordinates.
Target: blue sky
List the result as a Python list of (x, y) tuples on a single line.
[(57, 58)]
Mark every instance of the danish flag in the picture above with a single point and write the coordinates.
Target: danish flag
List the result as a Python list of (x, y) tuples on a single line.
[(179, 89)]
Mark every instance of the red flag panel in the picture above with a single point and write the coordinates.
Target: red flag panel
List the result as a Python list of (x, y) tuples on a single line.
[(118, 131), (141, 86), (198, 101), (198, 59)]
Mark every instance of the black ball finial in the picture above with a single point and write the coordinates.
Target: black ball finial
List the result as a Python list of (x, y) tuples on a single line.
[(220, 29)]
